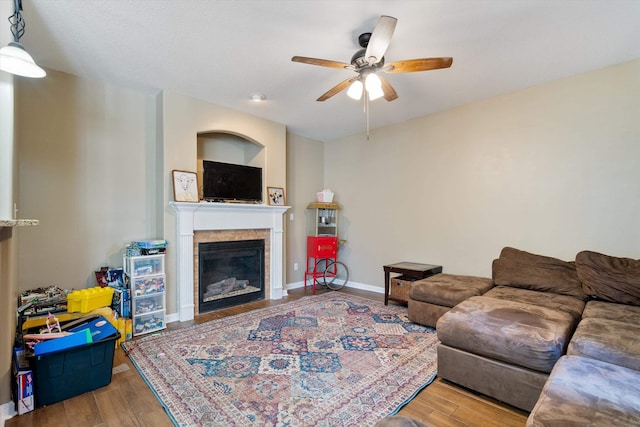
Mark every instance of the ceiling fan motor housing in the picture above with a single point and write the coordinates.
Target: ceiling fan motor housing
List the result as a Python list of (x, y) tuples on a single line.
[(363, 39), (358, 60)]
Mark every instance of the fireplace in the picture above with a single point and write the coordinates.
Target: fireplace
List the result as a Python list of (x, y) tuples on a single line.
[(215, 222), (230, 273)]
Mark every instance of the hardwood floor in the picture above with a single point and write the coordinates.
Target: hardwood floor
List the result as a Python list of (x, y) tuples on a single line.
[(128, 401)]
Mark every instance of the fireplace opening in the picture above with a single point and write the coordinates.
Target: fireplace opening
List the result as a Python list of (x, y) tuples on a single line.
[(230, 273)]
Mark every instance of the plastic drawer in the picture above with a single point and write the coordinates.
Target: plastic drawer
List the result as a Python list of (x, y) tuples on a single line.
[(148, 323), (146, 285), (148, 304), (144, 265)]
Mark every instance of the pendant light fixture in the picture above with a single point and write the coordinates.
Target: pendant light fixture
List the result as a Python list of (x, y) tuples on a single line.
[(14, 58)]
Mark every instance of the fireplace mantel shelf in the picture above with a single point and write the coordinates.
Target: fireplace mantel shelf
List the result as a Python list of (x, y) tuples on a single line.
[(193, 217), (179, 206)]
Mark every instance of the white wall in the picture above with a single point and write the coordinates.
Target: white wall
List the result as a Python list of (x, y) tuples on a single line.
[(552, 169)]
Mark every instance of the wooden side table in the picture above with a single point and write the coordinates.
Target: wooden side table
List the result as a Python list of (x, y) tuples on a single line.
[(408, 269)]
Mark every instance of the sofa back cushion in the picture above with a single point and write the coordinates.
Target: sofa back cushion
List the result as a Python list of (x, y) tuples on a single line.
[(609, 278), (525, 270)]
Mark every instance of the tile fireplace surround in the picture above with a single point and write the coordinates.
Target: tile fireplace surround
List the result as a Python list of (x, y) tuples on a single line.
[(205, 216)]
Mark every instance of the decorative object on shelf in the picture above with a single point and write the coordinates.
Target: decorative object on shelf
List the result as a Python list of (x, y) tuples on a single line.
[(185, 186), (276, 196), (325, 196), (14, 58)]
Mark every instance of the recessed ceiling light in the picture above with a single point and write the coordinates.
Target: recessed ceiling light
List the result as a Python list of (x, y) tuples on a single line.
[(257, 97)]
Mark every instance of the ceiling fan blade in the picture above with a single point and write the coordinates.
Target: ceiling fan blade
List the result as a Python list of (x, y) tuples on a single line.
[(413, 65), (388, 90), (322, 62), (336, 89), (380, 39)]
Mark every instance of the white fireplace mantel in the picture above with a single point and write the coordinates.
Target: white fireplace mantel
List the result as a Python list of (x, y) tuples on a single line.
[(224, 216)]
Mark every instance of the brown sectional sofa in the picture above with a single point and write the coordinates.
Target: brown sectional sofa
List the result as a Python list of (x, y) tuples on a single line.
[(557, 338)]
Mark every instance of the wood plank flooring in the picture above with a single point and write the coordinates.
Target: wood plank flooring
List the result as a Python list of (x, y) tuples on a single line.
[(128, 401)]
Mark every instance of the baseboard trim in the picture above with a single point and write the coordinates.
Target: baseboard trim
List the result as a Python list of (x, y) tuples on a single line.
[(173, 317), (350, 284), (7, 410)]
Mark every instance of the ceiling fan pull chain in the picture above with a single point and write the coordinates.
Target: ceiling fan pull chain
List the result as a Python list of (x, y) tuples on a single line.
[(366, 110)]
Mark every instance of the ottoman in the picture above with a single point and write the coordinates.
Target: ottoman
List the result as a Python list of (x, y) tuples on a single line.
[(430, 298), (504, 349)]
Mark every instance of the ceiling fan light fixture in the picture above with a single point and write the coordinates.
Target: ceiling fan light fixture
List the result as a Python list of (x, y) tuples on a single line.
[(372, 82), (375, 93), (355, 90)]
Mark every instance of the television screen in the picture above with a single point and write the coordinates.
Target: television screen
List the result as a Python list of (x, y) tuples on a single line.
[(227, 181)]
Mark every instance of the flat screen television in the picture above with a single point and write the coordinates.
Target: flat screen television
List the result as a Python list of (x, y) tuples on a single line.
[(227, 181)]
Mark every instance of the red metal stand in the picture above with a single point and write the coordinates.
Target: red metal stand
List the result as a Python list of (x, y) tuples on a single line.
[(319, 247)]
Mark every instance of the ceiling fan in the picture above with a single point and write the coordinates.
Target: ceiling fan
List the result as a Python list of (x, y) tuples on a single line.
[(367, 61)]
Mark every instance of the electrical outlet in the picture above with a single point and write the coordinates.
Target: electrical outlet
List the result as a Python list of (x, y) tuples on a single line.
[(295, 266)]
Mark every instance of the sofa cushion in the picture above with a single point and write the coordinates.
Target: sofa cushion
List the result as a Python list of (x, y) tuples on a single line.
[(522, 269), (571, 305), (607, 340), (612, 311), (609, 278), (527, 335), (448, 289), (583, 392)]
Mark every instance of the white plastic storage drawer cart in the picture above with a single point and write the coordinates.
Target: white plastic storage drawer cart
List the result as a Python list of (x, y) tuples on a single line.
[(146, 278)]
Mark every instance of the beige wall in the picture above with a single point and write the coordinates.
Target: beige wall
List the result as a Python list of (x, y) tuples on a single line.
[(8, 239), (305, 177), (85, 171), (552, 169), (183, 118)]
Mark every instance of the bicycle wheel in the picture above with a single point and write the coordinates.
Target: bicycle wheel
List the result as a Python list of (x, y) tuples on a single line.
[(321, 268), (336, 275)]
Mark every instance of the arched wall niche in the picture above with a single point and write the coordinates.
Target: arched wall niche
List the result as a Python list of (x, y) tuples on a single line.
[(229, 147)]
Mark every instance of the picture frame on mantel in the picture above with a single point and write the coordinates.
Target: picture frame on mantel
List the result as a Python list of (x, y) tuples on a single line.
[(185, 186), (276, 196)]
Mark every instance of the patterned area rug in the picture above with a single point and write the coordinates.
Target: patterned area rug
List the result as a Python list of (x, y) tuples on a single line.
[(327, 360)]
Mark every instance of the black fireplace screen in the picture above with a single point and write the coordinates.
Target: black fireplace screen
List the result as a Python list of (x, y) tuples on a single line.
[(230, 273)]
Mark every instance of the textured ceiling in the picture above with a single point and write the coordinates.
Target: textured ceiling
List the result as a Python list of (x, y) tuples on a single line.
[(223, 50)]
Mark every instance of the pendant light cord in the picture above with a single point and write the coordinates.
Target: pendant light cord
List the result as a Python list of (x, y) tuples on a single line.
[(17, 22)]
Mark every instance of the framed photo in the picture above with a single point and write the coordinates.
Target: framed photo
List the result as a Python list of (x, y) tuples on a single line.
[(276, 196), (185, 186)]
